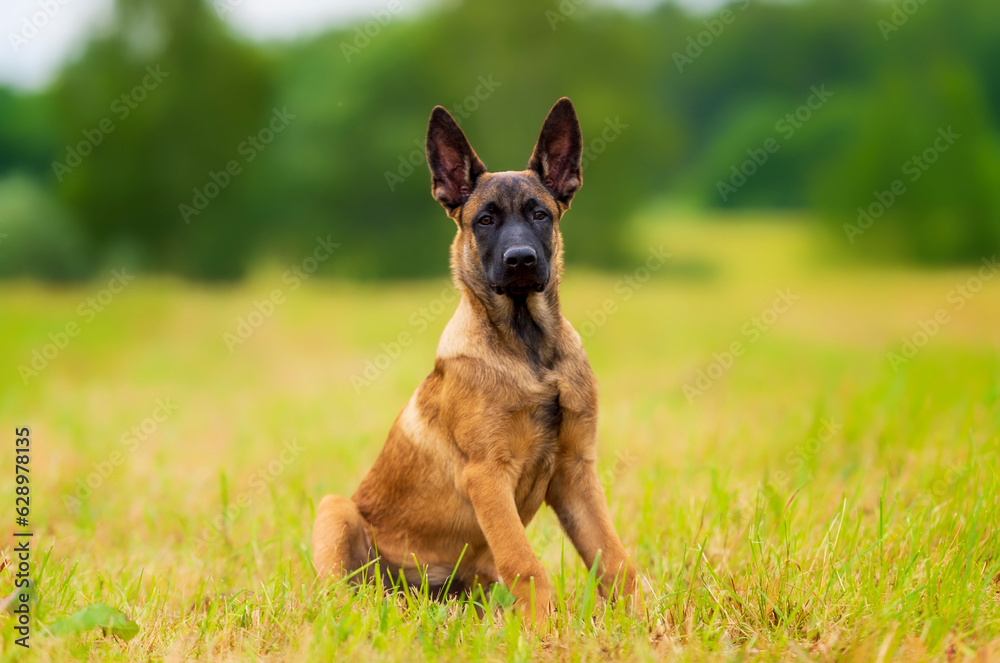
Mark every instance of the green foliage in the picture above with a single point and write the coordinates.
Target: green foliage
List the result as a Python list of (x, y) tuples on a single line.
[(38, 237), (96, 616), (922, 177), (181, 98), (26, 140), (670, 103)]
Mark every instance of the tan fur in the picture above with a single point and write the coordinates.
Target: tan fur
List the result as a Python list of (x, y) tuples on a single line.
[(494, 431)]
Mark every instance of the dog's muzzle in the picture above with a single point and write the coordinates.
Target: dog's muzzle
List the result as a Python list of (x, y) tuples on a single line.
[(522, 272)]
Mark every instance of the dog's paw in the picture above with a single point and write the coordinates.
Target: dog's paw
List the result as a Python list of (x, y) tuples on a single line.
[(534, 614)]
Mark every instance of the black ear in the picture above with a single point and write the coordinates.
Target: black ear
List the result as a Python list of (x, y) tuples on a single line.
[(556, 157), (453, 163)]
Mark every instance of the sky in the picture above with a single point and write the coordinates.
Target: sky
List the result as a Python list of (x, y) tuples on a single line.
[(38, 36)]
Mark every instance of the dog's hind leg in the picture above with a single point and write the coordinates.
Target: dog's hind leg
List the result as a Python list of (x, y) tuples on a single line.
[(341, 538)]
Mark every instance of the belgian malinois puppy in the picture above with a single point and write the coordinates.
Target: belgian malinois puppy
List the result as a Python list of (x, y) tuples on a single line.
[(508, 417)]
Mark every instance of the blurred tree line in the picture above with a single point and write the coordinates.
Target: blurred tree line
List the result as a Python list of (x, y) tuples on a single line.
[(174, 145)]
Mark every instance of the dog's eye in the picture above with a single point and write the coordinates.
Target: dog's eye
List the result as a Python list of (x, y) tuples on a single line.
[(539, 215), (485, 220)]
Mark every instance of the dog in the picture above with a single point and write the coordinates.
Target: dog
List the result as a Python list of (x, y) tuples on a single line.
[(507, 419)]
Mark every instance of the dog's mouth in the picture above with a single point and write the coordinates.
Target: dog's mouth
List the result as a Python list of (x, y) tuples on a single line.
[(519, 288)]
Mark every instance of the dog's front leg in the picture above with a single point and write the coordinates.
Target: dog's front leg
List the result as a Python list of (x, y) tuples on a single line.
[(488, 489), (576, 495)]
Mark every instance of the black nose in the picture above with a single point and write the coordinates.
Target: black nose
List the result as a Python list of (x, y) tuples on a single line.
[(520, 256)]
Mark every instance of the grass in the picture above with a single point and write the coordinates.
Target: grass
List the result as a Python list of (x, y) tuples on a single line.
[(811, 503)]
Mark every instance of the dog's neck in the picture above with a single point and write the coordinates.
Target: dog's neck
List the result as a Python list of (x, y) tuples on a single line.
[(526, 325)]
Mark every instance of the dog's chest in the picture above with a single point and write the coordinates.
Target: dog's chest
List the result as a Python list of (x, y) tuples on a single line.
[(544, 423), (536, 450)]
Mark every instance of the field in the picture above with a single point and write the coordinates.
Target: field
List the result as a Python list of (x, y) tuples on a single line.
[(803, 494)]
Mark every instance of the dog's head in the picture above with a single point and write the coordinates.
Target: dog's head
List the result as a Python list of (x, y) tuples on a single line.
[(508, 221)]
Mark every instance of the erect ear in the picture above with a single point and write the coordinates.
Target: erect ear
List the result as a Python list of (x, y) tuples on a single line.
[(556, 157), (453, 163)]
